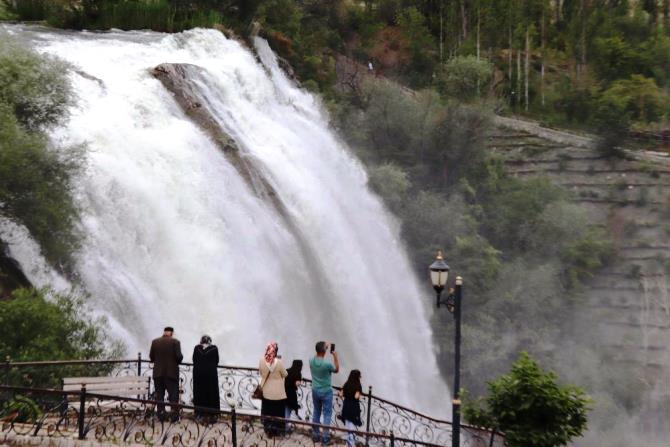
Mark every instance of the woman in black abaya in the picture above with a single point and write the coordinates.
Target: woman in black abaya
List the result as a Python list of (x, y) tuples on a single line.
[(205, 376)]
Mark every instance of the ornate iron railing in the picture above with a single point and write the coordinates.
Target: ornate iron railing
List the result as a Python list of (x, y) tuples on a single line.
[(236, 386), (104, 418)]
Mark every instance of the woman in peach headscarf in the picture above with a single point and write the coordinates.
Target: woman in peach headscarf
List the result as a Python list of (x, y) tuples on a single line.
[(272, 372)]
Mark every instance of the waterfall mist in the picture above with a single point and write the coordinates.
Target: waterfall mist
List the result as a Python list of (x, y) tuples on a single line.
[(174, 235)]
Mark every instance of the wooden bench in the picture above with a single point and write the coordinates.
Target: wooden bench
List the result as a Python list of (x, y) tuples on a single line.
[(125, 386)]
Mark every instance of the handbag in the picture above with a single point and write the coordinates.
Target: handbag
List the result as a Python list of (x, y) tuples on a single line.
[(258, 392)]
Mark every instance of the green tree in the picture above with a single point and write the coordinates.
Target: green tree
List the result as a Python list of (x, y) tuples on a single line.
[(391, 183), (35, 187), (35, 179), (531, 407), (421, 45), (465, 77), (42, 325), (639, 97), (34, 86)]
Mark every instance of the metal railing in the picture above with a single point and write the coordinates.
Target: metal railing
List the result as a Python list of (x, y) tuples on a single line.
[(236, 386), (104, 418)]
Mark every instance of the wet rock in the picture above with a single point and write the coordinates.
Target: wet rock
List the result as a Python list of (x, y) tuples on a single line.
[(11, 274)]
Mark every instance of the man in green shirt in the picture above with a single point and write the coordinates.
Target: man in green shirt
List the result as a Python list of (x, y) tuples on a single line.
[(322, 389)]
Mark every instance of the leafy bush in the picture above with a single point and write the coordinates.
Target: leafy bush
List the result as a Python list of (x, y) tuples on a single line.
[(638, 97), (391, 183), (421, 44), (20, 409), (35, 180), (35, 188), (465, 77), (35, 86), (585, 255), (42, 325), (513, 207), (531, 408)]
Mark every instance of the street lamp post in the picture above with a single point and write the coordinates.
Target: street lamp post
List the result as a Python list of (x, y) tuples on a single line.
[(439, 273)]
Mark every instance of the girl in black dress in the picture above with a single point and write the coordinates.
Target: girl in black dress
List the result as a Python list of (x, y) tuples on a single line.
[(205, 376), (351, 407)]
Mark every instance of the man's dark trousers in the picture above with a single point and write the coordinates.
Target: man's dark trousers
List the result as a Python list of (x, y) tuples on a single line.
[(162, 384)]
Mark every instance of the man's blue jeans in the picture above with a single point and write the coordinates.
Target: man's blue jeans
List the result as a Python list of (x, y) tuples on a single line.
[(323, 403)]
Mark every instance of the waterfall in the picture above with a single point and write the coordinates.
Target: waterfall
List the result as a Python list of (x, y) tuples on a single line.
[(175, 235)]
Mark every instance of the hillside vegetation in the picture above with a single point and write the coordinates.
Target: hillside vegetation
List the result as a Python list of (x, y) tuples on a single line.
[(583, 63), (35, 178)]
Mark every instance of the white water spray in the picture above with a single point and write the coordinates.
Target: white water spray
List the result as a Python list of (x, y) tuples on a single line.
[(174, 235)]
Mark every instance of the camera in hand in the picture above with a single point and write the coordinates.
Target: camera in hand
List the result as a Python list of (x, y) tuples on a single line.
[(332, 348)]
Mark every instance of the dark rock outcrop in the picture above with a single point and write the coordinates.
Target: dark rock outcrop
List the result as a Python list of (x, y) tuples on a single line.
[(11, 275), (182, 81)]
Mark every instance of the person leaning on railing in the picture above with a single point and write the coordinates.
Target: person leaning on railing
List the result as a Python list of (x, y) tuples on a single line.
[(206, 376), (322, 388), (166, 355), (291, 384), (351, 407)]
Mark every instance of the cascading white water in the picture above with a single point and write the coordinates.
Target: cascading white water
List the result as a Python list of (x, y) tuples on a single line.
[(174, 235)]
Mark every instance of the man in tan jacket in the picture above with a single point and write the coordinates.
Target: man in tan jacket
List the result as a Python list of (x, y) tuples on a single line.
[(166, 355)]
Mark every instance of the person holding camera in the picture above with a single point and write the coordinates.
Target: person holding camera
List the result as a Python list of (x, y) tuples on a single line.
[(272, 372), (322, 388)]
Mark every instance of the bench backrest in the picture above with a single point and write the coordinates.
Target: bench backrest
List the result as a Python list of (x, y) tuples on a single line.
[(125, 386)]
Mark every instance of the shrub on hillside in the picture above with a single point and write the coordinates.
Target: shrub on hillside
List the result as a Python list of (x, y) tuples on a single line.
[(531, 407), (34, 86), (465, 77), (35, 179), (391, 183), (43, 325)]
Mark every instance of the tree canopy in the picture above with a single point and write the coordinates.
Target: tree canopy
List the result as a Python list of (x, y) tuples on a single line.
[(531, 407)]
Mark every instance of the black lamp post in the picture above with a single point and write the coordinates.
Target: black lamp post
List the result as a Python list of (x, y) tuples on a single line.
[(439, 273)]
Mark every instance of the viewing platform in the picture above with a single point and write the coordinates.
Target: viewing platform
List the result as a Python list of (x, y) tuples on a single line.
[(41, 412)]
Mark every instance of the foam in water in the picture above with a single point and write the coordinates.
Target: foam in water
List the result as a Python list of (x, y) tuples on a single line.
[(175, 236)]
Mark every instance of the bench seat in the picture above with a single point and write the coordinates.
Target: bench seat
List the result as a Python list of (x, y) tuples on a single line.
[(124, 386)]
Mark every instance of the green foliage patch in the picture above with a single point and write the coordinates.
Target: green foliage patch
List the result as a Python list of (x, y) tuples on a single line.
[(42, 325), (35, 179), (530, 407)]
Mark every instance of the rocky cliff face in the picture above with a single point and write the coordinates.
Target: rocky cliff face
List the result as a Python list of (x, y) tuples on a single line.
[(629, 300), (11, 275)]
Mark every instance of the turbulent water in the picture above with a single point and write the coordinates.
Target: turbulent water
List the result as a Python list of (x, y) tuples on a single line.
[(175, 236)]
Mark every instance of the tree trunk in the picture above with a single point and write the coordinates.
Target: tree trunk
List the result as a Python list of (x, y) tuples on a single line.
[(518, 76), (478, 20), (527, 67), (542, 56), (509, 60), (478, 23), (441, 32), (582, 38), (464, 19)]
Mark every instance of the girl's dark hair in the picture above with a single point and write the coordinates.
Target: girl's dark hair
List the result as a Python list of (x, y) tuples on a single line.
[(352, 384), (294, 372)]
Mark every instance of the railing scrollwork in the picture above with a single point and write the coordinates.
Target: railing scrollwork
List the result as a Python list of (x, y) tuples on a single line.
[(130, 419)]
